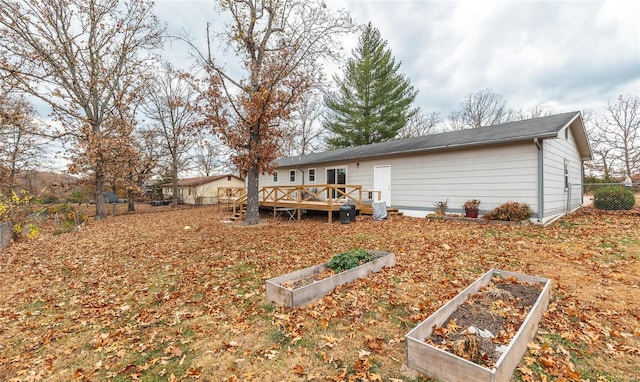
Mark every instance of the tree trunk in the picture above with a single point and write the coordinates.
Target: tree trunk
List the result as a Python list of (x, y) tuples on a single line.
[(253, 212), (101, 210), (174, 175), (131, 206)]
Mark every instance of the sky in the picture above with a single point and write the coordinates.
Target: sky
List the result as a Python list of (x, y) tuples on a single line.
[(570, 55)]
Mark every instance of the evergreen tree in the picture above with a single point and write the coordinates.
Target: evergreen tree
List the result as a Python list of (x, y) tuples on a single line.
[(373, 101)]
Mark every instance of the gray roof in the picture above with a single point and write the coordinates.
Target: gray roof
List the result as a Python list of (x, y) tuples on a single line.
[(517, 131)]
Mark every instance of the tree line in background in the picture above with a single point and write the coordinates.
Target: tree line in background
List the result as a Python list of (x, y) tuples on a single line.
[(125, 118)]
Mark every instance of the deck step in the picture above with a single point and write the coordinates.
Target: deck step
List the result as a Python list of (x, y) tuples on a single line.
[(369, 211), (238, 215)]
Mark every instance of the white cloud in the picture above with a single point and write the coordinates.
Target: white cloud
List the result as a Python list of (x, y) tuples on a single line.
[(572, 54)]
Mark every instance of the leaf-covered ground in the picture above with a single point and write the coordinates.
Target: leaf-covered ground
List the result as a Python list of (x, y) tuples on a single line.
[(179, 295)]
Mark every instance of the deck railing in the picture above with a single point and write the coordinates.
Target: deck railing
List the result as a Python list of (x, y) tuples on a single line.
[(230, 196), (328, 193), (238, 203), (230, 192), (371, 195), (304, 196)]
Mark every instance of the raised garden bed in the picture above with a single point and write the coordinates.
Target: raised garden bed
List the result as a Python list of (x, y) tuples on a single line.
[(436, 362), (303, 286)]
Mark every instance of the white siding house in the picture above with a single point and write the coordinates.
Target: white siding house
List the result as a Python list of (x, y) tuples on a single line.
[(537, 161), (201, 190)]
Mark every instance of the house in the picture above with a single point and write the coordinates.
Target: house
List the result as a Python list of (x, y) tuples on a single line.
[(110, 197), (201, 190), (536, 161)]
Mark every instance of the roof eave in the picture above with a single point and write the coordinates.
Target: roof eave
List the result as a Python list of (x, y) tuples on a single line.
[(582, 138), (429, 149)]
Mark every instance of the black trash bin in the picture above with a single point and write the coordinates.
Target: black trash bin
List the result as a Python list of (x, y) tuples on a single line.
[(345, 211), (353, 212)]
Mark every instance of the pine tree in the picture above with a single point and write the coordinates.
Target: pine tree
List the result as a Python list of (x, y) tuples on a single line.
[(373, 102)]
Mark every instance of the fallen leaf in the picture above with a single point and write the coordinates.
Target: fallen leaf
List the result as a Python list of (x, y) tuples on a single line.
[(299, 370)]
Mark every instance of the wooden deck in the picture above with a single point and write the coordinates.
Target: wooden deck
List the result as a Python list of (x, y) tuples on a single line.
[(316, 197)]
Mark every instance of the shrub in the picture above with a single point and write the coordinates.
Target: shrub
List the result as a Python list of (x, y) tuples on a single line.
[(614, 198), (471, 205), (441, 207), (66, 218), (350, 259), (510, 211), (18, 209), (45, 199)]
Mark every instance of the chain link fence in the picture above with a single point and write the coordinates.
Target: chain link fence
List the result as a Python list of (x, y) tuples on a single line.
[(612, 196)]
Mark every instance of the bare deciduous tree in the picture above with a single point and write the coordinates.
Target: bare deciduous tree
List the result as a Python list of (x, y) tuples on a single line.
[(208, 156), (538, 110), (82, 57), (21, 145), (421, 124), (618, 132), (304, 132), (482, 108), (169, 105)]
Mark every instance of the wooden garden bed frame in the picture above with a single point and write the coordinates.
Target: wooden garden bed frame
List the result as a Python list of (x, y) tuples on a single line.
[(447, 367), (318, 289)]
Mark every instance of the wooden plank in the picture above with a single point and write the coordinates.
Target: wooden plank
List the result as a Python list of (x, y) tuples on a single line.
[(305, 294), (518, 346), (448, 367), (439, 364)]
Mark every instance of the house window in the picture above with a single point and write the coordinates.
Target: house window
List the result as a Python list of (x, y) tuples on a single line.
[(228, 178), (336, 176), (312, 175), (292, 176), (566, 175), (275, 177)]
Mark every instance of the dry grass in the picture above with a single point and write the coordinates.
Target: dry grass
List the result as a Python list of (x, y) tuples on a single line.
[(142, 297)]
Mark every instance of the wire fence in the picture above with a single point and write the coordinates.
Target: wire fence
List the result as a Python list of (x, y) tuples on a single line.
[(612, 196)]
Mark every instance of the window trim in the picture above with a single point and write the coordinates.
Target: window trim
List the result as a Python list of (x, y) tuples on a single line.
[(566, 174), (314, 175), (275, 176), (292, 176), (336, 169)]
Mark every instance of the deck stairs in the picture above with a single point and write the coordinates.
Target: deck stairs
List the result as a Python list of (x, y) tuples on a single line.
[(367, 209), (239, 215)]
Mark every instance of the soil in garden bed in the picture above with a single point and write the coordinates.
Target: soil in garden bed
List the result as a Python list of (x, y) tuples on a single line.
[(482, 327), (312, 278)]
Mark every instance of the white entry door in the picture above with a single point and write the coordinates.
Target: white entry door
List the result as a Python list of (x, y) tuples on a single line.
[(382, 182)]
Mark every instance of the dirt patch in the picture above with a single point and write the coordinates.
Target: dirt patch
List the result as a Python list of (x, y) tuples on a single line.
[(481, 328), (319, 274)]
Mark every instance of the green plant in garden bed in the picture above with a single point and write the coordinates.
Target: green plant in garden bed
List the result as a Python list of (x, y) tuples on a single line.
[(349, 259)]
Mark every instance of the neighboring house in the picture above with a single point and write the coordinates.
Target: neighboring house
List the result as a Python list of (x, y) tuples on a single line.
[(110, 197), (202, 190), (537, 161)]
